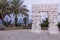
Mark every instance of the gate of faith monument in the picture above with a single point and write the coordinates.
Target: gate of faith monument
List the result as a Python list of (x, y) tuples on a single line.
[(52, 11)]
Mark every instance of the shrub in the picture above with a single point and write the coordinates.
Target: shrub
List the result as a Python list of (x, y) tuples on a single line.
[(30, 24), (7, 23), (58, 25), (19, 24), (45, 23)]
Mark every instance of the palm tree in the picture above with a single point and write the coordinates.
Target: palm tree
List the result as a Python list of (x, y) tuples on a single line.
[(3, 8), (25, 19), (18, 8)]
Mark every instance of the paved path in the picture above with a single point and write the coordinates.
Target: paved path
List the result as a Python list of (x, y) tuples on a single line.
[(27, 35)]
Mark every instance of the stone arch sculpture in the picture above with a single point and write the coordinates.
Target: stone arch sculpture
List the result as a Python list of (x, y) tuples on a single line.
[(52, 10)]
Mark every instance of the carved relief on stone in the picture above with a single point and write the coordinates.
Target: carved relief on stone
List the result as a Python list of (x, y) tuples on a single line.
[(52, 16)]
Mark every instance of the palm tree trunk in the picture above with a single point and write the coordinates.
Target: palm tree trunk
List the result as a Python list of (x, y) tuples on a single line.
[(25, 23), (15, 20), (2, 19)]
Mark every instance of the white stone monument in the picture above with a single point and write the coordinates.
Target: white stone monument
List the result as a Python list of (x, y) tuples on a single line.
[(52, 10)]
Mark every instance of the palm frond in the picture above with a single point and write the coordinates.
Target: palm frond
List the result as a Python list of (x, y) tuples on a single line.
[(20, 3)]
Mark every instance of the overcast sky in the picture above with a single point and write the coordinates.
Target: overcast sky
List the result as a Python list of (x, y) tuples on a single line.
[(44, 15), (30, 2)]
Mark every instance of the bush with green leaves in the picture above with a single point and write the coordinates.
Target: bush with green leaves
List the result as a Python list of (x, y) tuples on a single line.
[(7, 23), (45, 23), (58, 25), (19, 24), (30, 24)]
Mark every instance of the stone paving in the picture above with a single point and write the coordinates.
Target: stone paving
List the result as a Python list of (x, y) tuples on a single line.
[(27, 35)]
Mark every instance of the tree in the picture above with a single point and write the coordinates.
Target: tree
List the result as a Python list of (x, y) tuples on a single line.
[(18, 8), (4, 4), (25, 20)]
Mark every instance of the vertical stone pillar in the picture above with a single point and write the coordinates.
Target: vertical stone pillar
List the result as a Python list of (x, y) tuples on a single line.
[(36, 22), (53, 21)]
